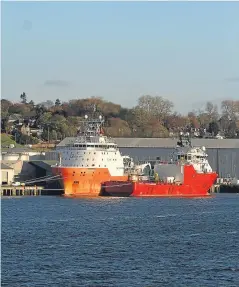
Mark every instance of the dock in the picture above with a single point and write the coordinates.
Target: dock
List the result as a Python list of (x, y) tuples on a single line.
[(28, 191), (215, 188)]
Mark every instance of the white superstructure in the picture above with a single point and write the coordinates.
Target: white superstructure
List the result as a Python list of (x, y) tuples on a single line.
[(91, 149), (185, 154)]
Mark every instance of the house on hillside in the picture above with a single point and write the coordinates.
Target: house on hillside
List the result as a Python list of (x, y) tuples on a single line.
[(15, 118), (36, 132), (24, 129)]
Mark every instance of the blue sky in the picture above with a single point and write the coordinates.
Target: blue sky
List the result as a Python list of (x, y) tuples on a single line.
[(186, 52)]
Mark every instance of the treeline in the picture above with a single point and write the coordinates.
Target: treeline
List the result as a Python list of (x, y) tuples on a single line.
[(151, 117)]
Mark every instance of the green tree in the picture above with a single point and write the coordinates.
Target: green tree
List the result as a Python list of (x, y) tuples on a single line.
[(53, 135), (44, 119), (25, 139), (31, 103), (23, 98), (213, 128), (57, 102)]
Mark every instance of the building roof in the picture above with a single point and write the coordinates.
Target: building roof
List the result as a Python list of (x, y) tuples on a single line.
[(15, 117), (4, 166), (17, 150), (44, 164), (165, 142)]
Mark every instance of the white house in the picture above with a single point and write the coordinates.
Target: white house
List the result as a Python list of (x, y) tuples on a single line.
[(7, 174)]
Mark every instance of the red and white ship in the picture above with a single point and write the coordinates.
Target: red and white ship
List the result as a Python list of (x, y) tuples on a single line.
[(187, 174), (89, 160)]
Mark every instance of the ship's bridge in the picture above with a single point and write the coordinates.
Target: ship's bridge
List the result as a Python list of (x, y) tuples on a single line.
[(91, 142), (189, 154)]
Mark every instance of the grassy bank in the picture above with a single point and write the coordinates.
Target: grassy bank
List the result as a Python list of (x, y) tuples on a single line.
[(6, 140)]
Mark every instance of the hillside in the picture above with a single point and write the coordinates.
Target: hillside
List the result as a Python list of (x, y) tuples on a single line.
[(6, 140), (152, 117)]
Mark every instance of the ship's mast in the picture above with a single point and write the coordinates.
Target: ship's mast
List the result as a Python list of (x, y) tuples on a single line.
[(184, 140), (92, 125)]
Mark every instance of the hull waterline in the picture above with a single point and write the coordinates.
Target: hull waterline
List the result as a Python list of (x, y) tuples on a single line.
[(84, 182), (194, 185)]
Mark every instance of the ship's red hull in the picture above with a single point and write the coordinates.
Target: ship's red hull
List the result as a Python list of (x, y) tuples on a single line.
[(194, 185), (84, 182)]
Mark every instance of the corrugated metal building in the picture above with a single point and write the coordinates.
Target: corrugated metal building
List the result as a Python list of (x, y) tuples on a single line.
[(223, 153), (165, 142)]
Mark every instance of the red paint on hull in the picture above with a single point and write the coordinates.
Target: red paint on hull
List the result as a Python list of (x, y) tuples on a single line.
[(84, 182), (194, 185)]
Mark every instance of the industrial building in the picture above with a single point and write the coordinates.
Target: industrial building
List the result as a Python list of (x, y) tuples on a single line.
[(16, 164), (7, 174), (223, 153)]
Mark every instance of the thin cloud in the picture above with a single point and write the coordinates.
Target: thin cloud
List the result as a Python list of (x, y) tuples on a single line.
[(56, 83)]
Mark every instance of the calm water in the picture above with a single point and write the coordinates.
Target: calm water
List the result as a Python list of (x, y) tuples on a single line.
[(54, 241)]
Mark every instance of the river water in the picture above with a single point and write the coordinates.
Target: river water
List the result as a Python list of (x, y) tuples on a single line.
[(56, 241)]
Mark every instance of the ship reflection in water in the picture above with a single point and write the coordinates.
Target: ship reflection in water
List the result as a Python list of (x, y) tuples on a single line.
[(57, 241)]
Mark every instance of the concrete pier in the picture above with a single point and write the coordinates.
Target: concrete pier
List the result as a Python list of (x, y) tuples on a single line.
[(215, 188), (21, 190)]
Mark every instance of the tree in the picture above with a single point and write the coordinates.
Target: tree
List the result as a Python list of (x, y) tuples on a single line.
[(157, 107), (5, 105), (193, 120), (18, 108), (118, 128), (232, 130), (230, 109), (48, 104), (53, 135), (25, 139), (177, 122), (23, 98), (57, 102), (31, 103), (213, 128), (212, 111), (43, 119)]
